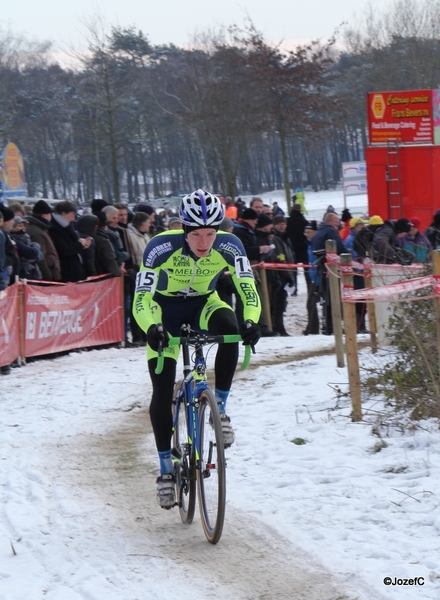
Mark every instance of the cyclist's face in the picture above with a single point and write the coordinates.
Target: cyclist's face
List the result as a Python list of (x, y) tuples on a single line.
[(200, 241)]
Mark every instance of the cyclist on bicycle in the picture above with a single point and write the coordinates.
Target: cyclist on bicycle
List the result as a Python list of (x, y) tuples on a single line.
[(176, 285)]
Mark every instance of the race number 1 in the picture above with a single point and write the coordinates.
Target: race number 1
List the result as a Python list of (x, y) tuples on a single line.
[(146, 281), (243, 267)]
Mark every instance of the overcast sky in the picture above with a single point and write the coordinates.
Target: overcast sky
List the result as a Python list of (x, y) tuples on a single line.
[(175, 21)]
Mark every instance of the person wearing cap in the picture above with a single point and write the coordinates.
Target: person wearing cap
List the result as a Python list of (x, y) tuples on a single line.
[(295, 232), (67, 242), (286, 278), (224, 286), (29, 252), (357, 224), (11, 261), (244, 229), (433, 231), (346, 217), (3, 273), (313, 288), (327, 230), (384, 246), (263, 236), (176, 286), (415, 242), (38, 224), (174, 223), (97, 205)]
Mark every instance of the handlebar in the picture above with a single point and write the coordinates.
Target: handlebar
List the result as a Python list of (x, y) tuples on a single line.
[(203, 339)]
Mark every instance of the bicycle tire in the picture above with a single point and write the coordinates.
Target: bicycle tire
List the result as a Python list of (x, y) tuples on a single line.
[(211, 476), (185, 468)]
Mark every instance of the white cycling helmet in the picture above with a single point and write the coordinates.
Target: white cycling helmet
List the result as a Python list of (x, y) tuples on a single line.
[(201, 209)]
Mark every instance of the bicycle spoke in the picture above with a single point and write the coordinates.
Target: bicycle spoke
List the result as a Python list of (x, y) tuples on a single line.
[(212, 476), (184, 467)]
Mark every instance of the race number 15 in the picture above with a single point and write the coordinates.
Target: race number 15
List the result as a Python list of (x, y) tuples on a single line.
[(146, 281)]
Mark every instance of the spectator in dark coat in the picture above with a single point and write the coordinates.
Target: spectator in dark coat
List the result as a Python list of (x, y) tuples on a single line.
[(97, 205), (224, 287), (38, 225), (130, 271), (115, 233), (86, 227), (28, 251), (415, 242), (385, 249), (11, 260), (433, 232), (67, 242), (314, 288), (295, 232), (283, 254), (327, 230), (244, 229), (105, 255), (3, 273), (296, 224)]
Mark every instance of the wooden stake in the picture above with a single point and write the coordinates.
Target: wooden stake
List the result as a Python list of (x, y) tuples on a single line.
[(335, 300), (350, 340), (371, 311), (265, 299), (436, 271)]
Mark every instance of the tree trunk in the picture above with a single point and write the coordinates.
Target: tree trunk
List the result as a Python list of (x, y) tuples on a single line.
[(285, 165)]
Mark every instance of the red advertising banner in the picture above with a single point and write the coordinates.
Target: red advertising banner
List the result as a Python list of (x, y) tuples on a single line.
[(77, 315), (406, 117), (9, 325)]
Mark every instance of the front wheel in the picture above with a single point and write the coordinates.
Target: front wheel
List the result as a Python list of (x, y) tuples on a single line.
[(185, 468), (211, 476)]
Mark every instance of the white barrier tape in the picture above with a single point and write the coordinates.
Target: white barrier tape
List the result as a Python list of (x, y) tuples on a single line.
[(392, 289)]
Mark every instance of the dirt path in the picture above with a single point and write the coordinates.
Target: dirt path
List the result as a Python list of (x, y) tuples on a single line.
[(115, 471)]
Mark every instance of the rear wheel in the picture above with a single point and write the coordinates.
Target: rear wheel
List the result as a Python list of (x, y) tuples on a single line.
[(185, 463), (211, 477)]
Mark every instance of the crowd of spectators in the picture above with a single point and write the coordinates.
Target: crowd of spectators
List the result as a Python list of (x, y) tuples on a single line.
[(67, 244)]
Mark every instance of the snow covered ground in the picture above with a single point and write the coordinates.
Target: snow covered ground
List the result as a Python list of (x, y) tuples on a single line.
[(325, 519)]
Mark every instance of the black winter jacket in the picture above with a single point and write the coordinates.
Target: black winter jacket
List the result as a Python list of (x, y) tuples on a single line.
[(69, 249)]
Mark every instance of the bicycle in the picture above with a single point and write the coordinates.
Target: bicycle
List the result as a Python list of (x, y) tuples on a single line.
[(198, 451)]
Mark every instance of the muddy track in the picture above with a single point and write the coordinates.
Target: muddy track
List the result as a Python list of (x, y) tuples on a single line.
[(116, 472)]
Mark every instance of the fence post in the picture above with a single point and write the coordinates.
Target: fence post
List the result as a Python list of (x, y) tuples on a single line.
[(265, 300), (335, 299), (22, 318), (350, 339), (371, 307), (436, 271)]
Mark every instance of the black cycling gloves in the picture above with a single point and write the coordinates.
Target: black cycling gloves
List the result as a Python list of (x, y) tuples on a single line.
[(250, 332), (157, 334)]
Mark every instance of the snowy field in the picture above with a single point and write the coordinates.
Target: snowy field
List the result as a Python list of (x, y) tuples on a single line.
[(326, 519)]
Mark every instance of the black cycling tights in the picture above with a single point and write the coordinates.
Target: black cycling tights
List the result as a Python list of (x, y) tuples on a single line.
[(222, 322)]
